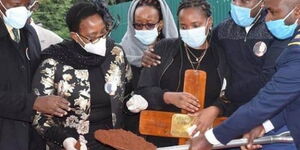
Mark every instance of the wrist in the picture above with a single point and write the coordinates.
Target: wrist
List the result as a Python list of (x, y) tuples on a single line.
[(214, 110), (166, 98)]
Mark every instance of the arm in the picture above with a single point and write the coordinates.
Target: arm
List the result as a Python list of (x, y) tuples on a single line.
[(49, 127), (283, 89), (17, 106)]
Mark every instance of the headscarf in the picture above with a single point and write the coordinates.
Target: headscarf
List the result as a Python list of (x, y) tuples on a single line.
[(133, 48)]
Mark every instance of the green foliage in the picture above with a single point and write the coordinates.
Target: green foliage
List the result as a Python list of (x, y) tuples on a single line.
[(51, 14)]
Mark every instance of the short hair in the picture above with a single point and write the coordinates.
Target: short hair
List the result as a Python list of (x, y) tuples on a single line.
[(85, 9), (152, 3), (202, 4)]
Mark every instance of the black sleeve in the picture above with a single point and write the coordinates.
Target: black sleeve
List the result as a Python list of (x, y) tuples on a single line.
[(17, 106), (148, 85)]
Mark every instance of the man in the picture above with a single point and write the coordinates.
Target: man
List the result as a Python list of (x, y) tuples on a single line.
[(280, 94), (251, 52), (20, 50)]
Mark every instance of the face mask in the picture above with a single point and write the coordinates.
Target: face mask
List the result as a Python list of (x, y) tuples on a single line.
[(98, 48), (147, 37), (242, 15), (280, 30), (16, 17), (194, 37)]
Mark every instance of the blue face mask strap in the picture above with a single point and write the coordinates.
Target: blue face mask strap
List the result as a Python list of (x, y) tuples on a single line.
[(3, 7), (259, 9), (289, 14)]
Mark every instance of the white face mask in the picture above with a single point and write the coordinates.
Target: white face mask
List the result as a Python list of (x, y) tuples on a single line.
[(194, 37), (147, 37), (16, 17), (98, 48)]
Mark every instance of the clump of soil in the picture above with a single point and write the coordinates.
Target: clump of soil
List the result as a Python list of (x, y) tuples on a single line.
[(123, 140)]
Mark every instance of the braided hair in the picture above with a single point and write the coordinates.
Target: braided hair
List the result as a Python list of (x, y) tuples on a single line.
[(152, 3), (202, 4)]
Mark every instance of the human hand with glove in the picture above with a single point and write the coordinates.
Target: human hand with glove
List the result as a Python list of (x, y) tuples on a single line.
[(137, 103)]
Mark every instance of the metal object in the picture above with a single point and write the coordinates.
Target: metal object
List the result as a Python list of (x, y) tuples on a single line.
[(180, 124), (284, 137)]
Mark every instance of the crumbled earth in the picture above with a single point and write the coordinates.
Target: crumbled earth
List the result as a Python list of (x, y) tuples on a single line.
[(123, 140)]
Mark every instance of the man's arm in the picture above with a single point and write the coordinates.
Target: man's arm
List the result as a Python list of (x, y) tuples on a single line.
[(283, 89), (16, 106)]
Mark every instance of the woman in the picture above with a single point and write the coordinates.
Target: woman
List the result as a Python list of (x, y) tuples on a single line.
[(162, 86), (149, 21), (90, 72)]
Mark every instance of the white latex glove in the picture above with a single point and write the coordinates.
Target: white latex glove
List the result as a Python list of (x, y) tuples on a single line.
[(191, 129), (69, 144), (136, 104)]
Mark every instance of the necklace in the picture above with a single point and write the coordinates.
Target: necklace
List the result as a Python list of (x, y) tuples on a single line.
[(198, 59)]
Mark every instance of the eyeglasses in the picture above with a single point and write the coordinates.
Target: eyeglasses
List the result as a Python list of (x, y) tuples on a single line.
[(93, 40), (148, 26)]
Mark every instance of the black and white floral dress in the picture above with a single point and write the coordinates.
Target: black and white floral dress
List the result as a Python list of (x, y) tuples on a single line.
[(94, 85)]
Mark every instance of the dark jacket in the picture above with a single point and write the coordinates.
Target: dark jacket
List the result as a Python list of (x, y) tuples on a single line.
[(280, 94), (149, 83), (18, 63), (248, 72)]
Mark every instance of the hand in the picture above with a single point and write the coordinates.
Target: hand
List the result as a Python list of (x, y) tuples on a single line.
[(253, 134), (205, 119), (182, 100), (52, 105), (136, 104), (150, 59), (200, 143), (72, 144)]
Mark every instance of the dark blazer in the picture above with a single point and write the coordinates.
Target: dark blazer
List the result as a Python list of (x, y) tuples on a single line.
[(17, 64), (280, 95)]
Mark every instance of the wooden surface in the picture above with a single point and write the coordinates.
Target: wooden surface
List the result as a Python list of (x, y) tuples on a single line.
[(159, 123)]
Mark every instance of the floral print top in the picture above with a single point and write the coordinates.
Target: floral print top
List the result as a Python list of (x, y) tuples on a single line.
[(55, 78)]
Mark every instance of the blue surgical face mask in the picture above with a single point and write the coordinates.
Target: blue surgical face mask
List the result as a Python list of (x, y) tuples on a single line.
[(194, 37), (242, 15), (16, 17), (147, 37), (280, 30)]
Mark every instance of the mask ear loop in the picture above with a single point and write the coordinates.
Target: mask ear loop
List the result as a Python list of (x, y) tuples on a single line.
[(80, 40), (206, 26), (3, 7), (259, 10), (289, 14)]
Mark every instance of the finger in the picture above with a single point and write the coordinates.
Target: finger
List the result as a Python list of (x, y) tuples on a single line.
[(58, 114), (148, 61), (61, 112), (193, 102), (62, 100), (64, 106), (153, 55), (243, 148), (152, 59), (191, 107), (190, 96), (253, 147)]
